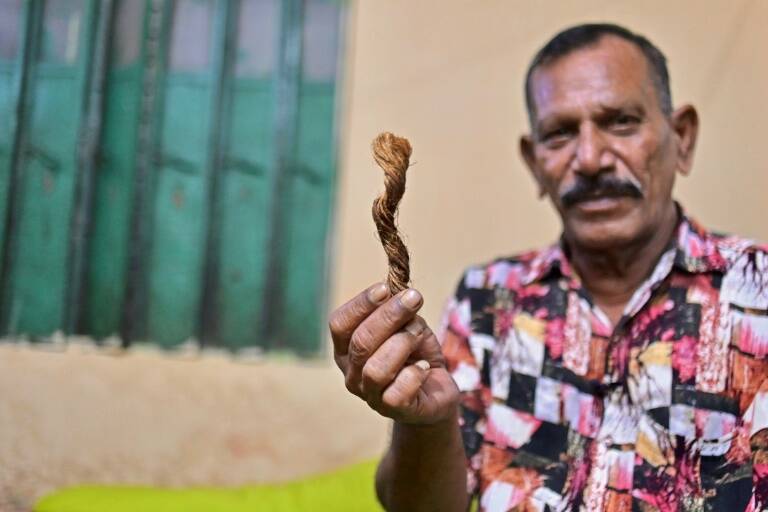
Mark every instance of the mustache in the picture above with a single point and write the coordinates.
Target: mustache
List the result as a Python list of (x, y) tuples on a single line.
[(586, 189)]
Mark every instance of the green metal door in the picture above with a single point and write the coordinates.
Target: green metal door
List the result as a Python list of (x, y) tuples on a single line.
[(277, 183), (241, 221), (182, 169), (306, 203), (110, 236), (12, 22), (48, 162), (167, 169)]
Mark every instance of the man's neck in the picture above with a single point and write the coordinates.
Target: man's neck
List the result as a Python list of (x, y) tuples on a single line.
[(613, 276)]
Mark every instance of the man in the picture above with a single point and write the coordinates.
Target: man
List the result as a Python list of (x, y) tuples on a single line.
[(620, 369)]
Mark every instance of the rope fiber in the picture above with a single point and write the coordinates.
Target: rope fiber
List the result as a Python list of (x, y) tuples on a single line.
[(392, 154)]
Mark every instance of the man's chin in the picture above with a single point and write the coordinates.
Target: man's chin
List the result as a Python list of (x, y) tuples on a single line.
[(602, 234)]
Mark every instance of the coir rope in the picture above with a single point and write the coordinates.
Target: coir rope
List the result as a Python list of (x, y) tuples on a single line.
[(392, 153)]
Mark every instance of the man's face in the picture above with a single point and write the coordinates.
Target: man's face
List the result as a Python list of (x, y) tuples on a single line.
[(601, 147)]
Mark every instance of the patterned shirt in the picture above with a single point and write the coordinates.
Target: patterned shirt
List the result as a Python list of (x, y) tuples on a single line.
[(665, 411)]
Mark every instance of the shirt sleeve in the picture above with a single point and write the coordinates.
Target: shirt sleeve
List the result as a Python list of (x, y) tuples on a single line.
[(456, 336), (756, 420)]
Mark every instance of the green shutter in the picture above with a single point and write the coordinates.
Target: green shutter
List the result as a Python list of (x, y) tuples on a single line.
[(15, 17), (311, 183), (48, 161), (110, 237), (168, 170), (247, 180)]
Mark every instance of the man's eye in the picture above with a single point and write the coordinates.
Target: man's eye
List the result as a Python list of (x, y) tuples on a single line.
[(556, 135), (625, 121)]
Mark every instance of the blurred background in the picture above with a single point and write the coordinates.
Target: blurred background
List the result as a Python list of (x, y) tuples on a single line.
[(185, 191)]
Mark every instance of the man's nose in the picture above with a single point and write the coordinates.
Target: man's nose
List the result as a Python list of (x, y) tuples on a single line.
[(592, 153)]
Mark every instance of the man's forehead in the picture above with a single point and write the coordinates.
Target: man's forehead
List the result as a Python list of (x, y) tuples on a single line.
[(606, 72)]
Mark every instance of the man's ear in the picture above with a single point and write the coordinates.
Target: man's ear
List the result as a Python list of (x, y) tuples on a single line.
[(685, 123), (529, 156)]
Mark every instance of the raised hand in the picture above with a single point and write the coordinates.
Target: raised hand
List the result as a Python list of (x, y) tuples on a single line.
[(391, 358)]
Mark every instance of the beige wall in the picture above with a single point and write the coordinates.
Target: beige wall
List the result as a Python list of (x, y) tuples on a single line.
[(447, 74), (83, 416)]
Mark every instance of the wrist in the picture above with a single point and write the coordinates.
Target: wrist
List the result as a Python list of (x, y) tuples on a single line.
[(450, 420), (426, 434)]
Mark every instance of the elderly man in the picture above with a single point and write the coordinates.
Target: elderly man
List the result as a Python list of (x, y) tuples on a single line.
[(622, 368)]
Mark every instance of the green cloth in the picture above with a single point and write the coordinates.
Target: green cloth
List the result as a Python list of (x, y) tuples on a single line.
[(347, 490)]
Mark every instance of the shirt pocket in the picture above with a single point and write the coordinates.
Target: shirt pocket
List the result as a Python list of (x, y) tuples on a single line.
[(700, 450)]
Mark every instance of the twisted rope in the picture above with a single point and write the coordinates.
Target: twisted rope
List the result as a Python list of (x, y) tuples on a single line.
[(392, 154)]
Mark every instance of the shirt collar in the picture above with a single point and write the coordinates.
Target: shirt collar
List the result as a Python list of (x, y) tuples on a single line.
[(546, 262), (696, 251)]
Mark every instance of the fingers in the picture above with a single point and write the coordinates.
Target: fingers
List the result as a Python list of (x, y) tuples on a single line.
[(383, 366), (401, 394), (381, 324), (376, 338), (421, 395), (347, 318)]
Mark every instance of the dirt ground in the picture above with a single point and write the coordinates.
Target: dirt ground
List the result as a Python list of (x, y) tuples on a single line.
[(83, 416)]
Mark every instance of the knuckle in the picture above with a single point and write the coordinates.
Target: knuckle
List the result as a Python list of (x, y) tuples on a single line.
[(396, 398), (394, 312), (341, 362), (359, 350), (402, 345), (351, 385), (362, 307), (374, 372), (336, 322), (416, 326), (410, 378), (344, 319), (409, 340)]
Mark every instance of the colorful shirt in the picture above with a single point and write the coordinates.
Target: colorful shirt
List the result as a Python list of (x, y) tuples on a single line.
[(667, 410)]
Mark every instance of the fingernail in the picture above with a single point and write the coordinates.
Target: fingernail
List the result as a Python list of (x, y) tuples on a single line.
[(378, 293), (411, 299), (414, 327), (424, 365)]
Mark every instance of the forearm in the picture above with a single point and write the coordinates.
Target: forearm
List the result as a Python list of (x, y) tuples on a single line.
[(424, 469)]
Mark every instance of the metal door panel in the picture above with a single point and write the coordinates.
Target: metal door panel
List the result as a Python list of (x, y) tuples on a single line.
[(7, 116), (181, 164), (11, 23), (245, 215), (115, 177), (247, 177), (112, 207), (40, 264), (311, 183), (180, 212), (49, 166)]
